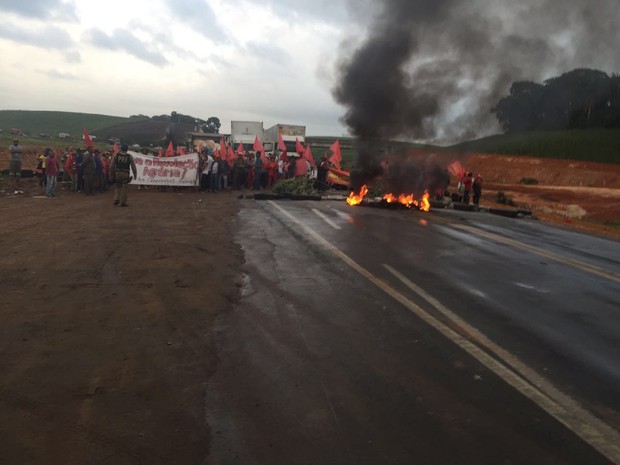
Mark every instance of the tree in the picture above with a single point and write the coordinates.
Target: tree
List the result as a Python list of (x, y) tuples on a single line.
[(582, 98), (212, 125)]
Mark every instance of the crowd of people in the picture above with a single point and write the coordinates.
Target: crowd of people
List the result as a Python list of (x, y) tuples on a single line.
[(255, 170), (90, 171)]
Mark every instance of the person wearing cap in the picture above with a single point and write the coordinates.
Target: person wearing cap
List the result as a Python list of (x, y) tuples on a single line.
[(119, 174), (15, 164)]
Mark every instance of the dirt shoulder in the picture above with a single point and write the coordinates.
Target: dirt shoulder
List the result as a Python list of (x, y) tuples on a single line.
[(108, 324)]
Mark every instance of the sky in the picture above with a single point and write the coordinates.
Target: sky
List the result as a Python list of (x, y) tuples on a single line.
[(297, 61)]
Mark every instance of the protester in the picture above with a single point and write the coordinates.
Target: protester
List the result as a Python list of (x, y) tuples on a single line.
[(15, 164), (51, 171), (467, 183), (223, 174), (79, 158), (88, 170), (40, 171), (98, 172), (238, 172), (71, 170), (477, 186), (214, 174), (322, 170), (249, 170), (258, 170), (119, 172)]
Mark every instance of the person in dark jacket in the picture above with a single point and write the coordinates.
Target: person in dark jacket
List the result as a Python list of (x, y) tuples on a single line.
[(119, 172)]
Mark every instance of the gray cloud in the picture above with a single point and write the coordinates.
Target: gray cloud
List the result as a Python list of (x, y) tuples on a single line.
[(125, 40), (41, 9), (200, 16), (48, 37), (434, 68)]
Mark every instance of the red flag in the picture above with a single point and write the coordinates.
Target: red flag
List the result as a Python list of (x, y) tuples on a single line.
[(456, 169), (336, 158), (222, 147), (299, 147), (180, 150), (281, 144), (161, 152), (240, 149), (284, 156), (170, 150), (308, 155), (258, 146), (116, 149), (301, 167), (231, 156), (87, 139)]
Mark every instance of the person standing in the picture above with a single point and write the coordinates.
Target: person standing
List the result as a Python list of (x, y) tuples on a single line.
[(88, 168), (51, 171), (119, 173), (15, 164), (214, 174), (71, 170), (477, 187), (321, 176), (467, 184)]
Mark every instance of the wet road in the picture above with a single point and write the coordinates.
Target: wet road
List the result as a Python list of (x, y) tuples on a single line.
[(393, 336)]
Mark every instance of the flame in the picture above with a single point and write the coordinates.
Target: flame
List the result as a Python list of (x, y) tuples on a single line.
[(357, 199), (406, 200), (425, 205), (409, 201)]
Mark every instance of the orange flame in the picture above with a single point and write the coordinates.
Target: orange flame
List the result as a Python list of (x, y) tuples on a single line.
[(354, 199), (425, 205)]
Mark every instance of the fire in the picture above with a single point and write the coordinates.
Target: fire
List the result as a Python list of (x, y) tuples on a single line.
[(425, 205), (406, 200), (354, 199), (409, 201)]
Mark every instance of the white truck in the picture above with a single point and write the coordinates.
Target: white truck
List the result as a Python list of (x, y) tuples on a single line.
[(245, 132), (289, 133)]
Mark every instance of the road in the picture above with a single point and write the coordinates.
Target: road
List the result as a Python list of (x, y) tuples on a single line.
[(367, 335)]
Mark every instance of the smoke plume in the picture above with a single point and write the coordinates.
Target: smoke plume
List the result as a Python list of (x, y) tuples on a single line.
[(431, 70)]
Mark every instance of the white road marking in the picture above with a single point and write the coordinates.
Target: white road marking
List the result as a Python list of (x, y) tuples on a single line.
[(543, 253), (509, 368), (326, 219)]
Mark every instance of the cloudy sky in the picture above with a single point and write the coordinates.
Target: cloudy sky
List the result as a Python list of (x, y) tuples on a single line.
[(282, 61)]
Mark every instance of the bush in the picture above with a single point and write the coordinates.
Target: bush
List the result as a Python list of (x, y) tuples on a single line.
[(505, 200), (298, 185), (528, 181)]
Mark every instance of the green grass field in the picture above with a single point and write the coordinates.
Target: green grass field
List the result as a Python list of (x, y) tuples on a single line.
[(54, 122), (600, 145)]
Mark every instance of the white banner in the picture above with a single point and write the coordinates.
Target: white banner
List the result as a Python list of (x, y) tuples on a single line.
[(166, 171)]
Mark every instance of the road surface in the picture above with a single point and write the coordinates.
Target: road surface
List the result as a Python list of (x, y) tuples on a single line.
[(367, 335)]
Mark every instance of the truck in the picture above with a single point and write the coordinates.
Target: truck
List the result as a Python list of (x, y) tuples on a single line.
[(245, 132), (289, 133)]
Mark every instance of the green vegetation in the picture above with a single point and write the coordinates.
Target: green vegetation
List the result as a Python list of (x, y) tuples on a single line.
[(54, 122), (601, 145), (297, 186)]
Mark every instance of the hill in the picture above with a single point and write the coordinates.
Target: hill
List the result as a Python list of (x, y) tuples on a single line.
[(54, 122)]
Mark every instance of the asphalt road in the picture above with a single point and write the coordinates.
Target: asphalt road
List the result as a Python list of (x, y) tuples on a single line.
[(367, 335)]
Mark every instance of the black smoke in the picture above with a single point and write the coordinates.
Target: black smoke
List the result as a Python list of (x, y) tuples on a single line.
[(431, 70)]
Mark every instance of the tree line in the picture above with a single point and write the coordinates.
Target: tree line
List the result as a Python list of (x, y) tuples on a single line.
[(210, 125), (582, 98)]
